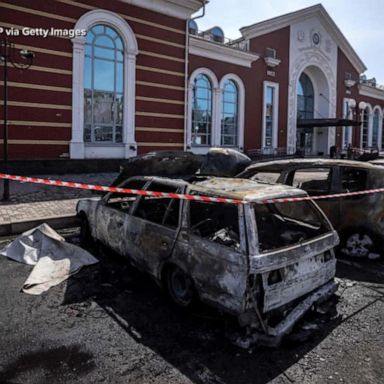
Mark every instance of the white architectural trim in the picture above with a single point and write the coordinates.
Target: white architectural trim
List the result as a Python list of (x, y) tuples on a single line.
[(182, 9), (311, 57), (348, 114), (275, 118), (363, 106), (319, 11), (215, 115), (369, 91), (220, 52), (240, 107), (217, 93), (87, 21), (380, 123)]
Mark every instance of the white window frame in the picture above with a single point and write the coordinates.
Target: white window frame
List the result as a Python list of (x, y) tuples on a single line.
[(275, 121), (240, 109), (380, 132), (217, 94), (348, 114), (363, 106), (79, 149), (381, 129), (215, 109)]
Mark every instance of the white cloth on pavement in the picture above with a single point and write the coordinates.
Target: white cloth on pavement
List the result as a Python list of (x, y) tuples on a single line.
[(54, 259)]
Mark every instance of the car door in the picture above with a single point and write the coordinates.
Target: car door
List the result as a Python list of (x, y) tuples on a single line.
[(318, 181), (113, 216), (155, 225), (354, 209), (211, 249)]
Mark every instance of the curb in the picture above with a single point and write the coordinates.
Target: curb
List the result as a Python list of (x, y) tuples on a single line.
[(57, 222)]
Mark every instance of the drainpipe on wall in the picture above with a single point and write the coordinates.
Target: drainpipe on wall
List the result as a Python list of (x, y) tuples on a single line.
[(186, 61)]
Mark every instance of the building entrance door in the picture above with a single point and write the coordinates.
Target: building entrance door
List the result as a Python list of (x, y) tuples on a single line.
[(304, 141)]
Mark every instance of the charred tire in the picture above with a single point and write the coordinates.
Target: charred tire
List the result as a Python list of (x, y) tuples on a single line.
[(179, 286), (360, 243), (85, 231)]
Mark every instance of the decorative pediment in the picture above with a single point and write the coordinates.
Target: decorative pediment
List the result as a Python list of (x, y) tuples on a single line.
[(317, 11)]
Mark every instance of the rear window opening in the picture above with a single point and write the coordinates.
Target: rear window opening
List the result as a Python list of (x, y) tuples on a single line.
[(315, 181), (216, 222), (284, 224), (266, 177)]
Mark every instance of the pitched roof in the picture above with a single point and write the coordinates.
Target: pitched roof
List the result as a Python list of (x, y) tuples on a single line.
[(317, 10)]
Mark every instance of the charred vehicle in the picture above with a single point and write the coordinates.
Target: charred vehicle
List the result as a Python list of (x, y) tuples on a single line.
[(267, 264), (223, 162), (358, 219)]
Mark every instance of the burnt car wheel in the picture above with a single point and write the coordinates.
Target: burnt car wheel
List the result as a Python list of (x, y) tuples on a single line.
[(179, 286), (360, 244), (85, 231)]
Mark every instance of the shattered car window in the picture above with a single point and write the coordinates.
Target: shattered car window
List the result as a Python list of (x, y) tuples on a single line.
[(216, 222), (283, 224), (157, 209), (266, 177), (315, 181), (353, 179), (124, 201)]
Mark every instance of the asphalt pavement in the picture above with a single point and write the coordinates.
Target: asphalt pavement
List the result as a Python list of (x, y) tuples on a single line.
[(112, 324)]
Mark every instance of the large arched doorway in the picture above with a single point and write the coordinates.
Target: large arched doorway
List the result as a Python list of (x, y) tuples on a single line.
[(305, 110), (313, 102)]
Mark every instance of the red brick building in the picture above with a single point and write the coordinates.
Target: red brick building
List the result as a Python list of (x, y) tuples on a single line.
[(117, 78)]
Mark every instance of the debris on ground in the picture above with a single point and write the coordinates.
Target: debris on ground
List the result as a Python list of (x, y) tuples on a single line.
[(54, 259)]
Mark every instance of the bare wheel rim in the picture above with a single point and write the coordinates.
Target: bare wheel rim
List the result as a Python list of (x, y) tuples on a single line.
[(180, 287), (358, 245)]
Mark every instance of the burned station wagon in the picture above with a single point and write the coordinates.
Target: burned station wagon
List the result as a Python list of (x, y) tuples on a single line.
[(267, 264), (358, 219)]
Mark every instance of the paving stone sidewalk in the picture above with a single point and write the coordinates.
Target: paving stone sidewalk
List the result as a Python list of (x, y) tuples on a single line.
[(31, 202), (15, 213)]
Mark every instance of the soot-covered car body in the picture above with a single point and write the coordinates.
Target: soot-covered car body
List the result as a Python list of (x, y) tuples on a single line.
[(255, 261), (359, 219)]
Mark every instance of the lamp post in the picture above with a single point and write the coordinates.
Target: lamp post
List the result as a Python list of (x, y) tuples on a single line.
[(24, 61)]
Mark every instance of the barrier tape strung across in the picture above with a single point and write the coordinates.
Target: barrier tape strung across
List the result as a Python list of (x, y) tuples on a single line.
[(101, 188)]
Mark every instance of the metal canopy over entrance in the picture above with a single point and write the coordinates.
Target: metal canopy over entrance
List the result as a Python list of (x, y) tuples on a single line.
[(324, 123)]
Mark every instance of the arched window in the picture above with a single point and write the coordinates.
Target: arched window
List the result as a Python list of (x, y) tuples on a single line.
[(375, 129), (201, 111), (382, 134), (365, 128), (230, 113), (103, 85), (305, 98)]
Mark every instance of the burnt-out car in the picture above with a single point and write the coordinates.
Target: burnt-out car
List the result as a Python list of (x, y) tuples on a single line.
[(223, 162), (267, 264), (358, 219)]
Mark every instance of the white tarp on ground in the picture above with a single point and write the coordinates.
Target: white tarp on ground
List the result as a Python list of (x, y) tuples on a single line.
[(55, 260)]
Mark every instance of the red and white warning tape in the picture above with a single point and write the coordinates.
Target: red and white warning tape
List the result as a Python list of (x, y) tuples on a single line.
[(71, 184)]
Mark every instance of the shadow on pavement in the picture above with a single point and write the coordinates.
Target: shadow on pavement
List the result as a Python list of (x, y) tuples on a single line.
[(369, 271), (195, 343), (69, 360)]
